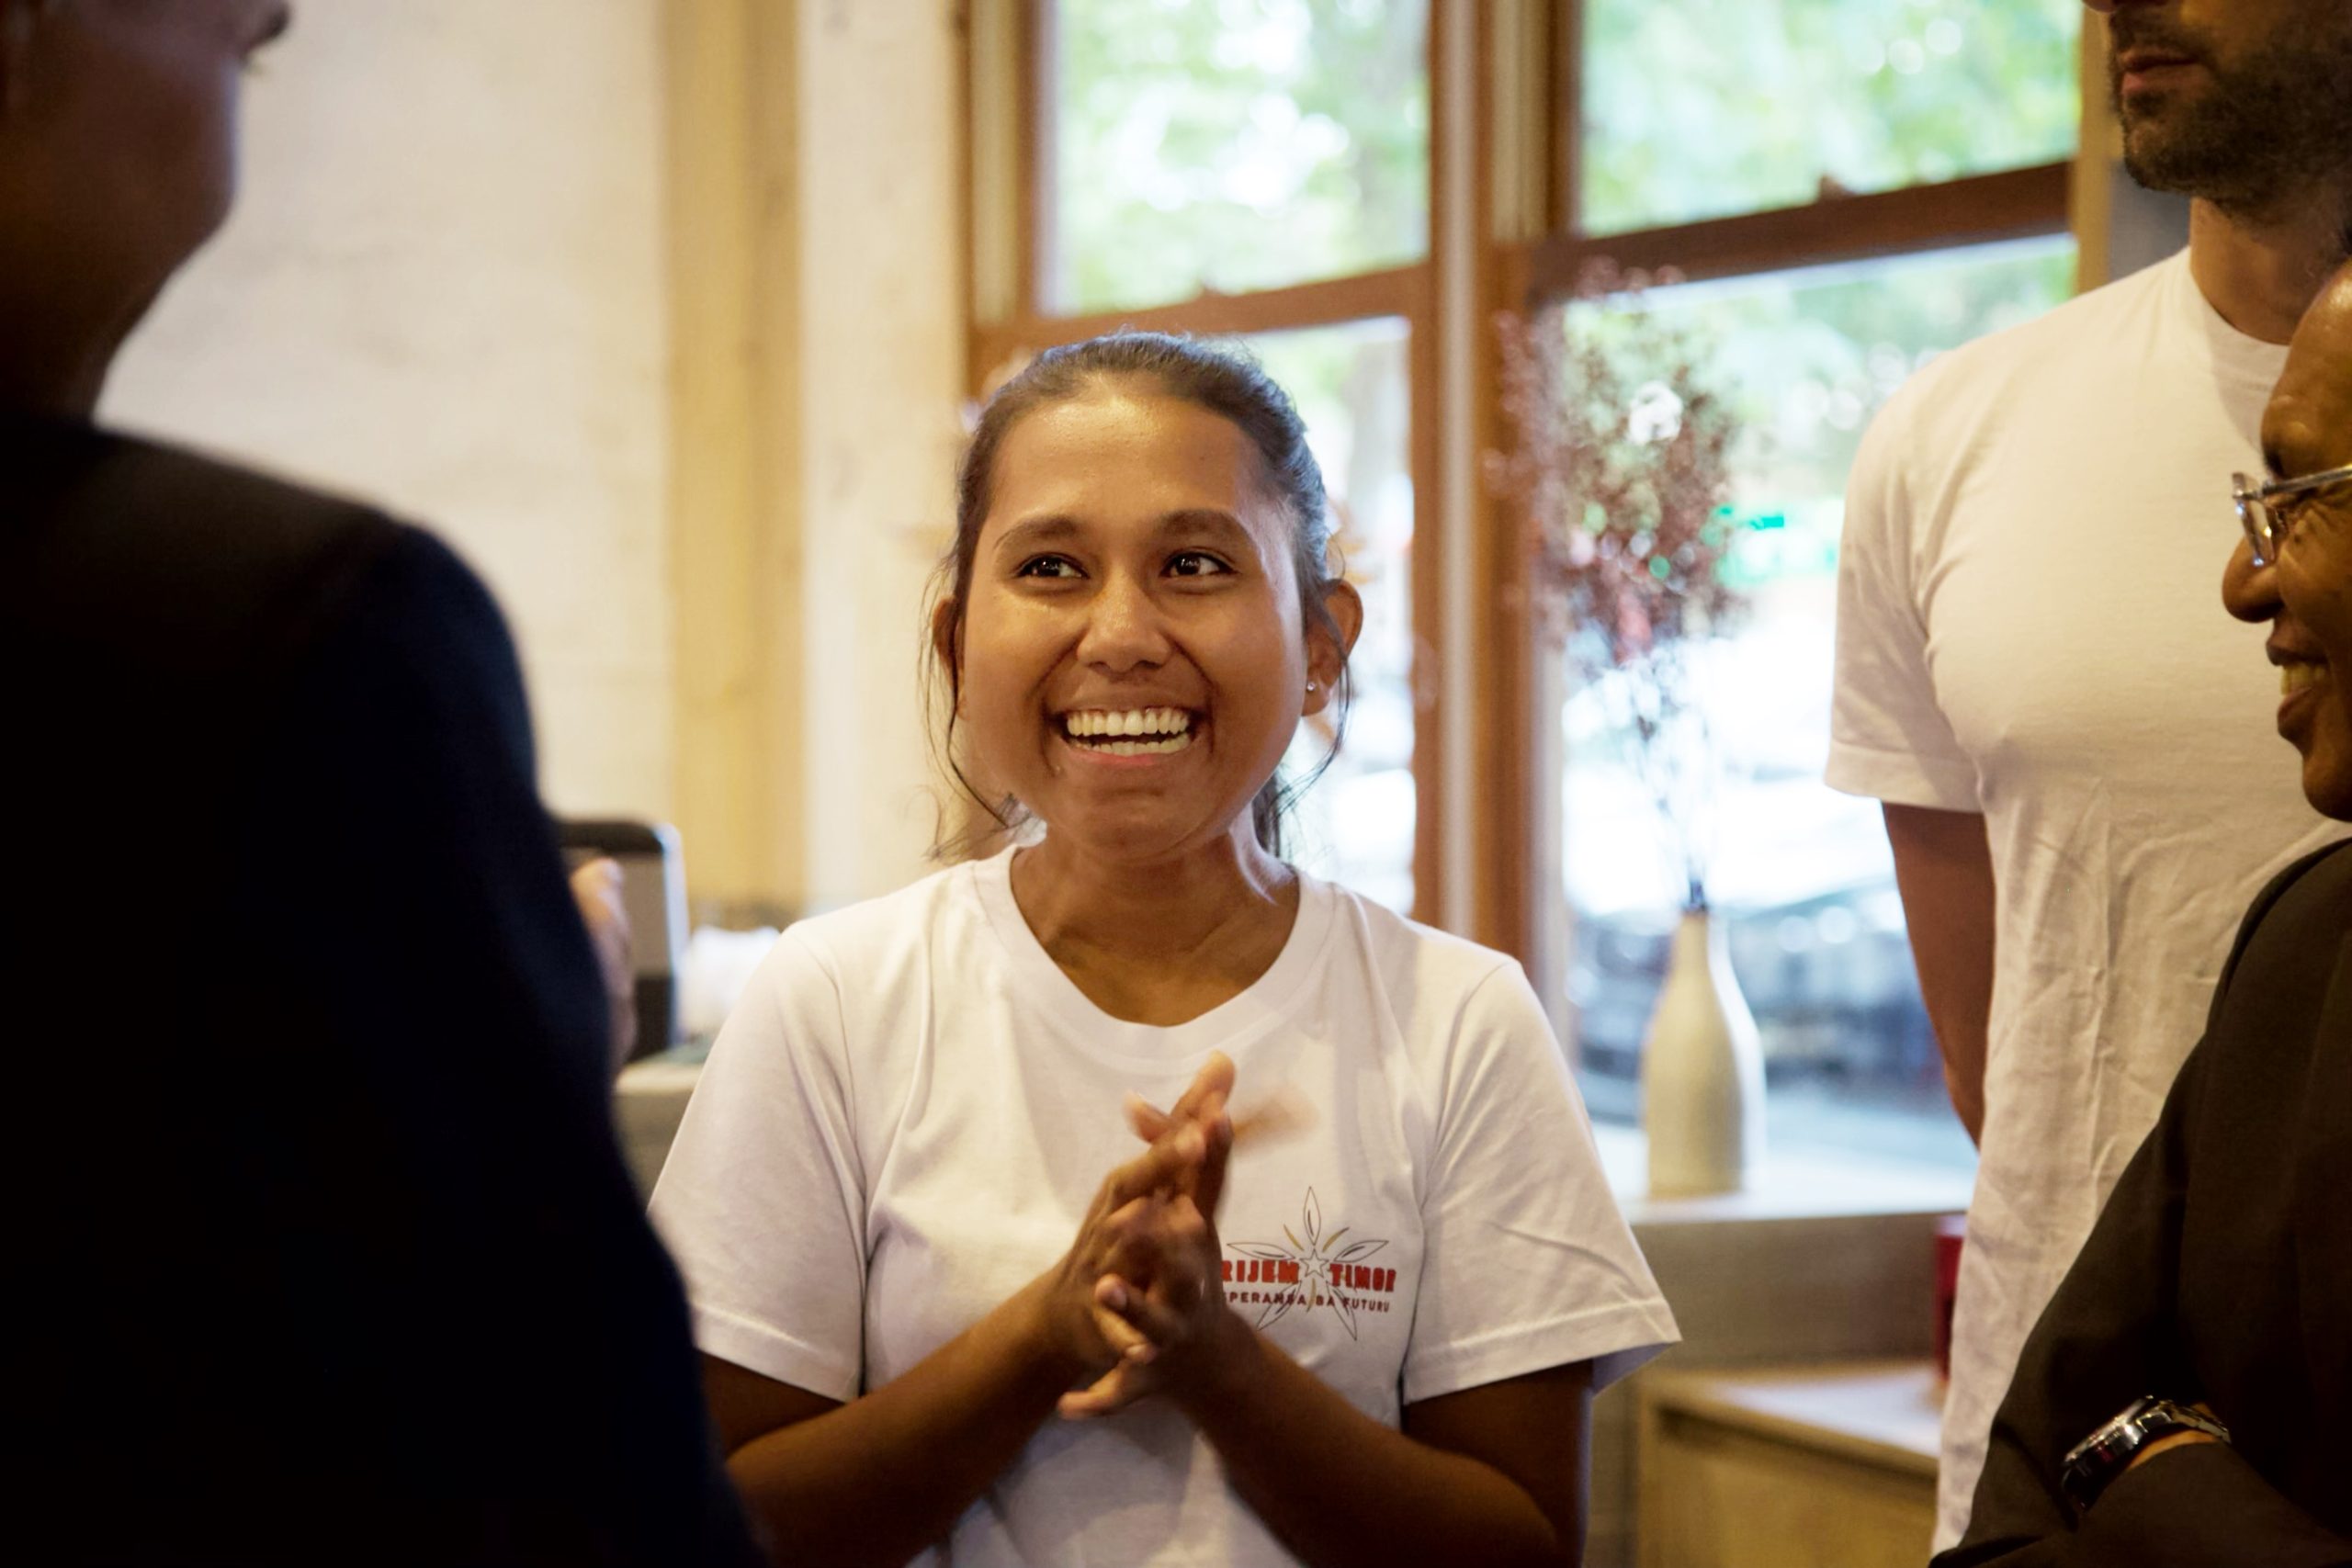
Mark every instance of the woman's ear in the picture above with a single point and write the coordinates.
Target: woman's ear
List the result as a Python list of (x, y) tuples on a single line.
[(1327, 656), (947, 644)]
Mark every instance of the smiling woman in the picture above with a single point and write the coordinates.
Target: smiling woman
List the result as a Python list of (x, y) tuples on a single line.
[(890, 1194), (1236, 540)]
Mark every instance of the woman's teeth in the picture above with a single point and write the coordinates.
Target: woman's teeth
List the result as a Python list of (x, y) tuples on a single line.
[(1138, 748), (2297, 676), (1132, 732)]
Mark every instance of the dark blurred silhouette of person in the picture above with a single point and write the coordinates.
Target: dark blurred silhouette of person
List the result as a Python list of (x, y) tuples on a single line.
[(323, 1249), (2186, 1399)]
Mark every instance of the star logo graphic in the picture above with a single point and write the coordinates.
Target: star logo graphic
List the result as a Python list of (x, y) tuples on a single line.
[(1319, 1267)]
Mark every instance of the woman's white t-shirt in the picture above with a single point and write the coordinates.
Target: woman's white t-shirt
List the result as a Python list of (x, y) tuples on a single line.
[(909, 1113)]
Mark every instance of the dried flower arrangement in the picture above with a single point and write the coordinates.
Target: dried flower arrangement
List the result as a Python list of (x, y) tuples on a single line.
[(1621, 471)]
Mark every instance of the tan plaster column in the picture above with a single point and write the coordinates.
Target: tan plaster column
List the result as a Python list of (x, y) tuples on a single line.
[(734, 450), (818, 322)]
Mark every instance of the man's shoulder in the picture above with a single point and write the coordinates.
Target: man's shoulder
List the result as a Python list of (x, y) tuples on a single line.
[(134, 493), (152, 552), (2088, 333)]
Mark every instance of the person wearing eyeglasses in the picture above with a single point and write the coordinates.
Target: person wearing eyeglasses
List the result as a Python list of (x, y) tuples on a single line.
[(2186, 1399), (2027, 677), (2271, 511)]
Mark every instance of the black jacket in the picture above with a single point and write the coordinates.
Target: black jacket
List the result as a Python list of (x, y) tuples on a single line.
[(2220, 1271), (326, 1250)]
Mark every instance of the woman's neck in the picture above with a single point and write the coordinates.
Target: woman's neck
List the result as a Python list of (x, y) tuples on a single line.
[(1162, 941)]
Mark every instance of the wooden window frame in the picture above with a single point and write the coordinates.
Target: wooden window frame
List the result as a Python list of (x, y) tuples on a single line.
[(1495, 875), (1976, 209), (1972, 210)]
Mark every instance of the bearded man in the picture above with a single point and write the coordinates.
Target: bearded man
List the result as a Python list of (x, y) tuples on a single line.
[(2067, 743)]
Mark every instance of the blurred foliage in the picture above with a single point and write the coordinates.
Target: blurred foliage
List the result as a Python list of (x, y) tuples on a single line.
[(1806, 357), (1699, 108), (1233, 144), (1622, 468), (1239, 145)]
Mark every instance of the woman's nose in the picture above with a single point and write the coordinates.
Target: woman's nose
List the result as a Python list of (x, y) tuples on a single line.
[(2249, 591), (1123, 626)]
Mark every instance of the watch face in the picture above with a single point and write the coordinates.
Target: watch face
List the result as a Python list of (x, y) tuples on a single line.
[(2099, 1458)]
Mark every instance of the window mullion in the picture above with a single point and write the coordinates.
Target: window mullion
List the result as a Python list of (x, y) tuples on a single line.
[(2012, 204)]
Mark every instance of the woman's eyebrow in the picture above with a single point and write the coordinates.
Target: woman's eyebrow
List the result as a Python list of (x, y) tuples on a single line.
[(1035, 533), (1206, 519), (1055, 528)]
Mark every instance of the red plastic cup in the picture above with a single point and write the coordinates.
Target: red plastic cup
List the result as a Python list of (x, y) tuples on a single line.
[(1951, 1232)]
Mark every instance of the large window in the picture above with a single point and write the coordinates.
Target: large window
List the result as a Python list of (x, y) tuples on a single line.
[(1233, 145), (1697, 108), (1741, 141), (1801, 873)]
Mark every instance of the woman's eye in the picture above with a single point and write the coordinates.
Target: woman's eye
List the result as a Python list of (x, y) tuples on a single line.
[(1196, 563), (1048, 565)]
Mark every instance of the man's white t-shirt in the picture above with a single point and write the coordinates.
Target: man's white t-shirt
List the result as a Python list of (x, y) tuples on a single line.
[(909, 1113), (2030, 626)]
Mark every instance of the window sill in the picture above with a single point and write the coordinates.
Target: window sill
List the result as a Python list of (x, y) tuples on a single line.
[(1797, 1184), (1809, 1184)]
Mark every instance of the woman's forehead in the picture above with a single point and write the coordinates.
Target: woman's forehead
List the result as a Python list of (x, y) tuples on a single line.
[(1125, 447), (1132, 416)]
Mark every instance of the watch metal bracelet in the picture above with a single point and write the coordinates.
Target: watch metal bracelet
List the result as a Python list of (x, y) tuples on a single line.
[(2093, 1464)]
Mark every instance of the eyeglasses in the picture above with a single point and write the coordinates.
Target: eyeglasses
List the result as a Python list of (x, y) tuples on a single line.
[(2264, 525)]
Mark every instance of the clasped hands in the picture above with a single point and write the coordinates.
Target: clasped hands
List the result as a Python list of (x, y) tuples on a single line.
[(1141, 1291)]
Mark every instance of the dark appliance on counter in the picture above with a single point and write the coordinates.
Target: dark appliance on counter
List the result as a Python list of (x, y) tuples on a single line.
[(654, 893)]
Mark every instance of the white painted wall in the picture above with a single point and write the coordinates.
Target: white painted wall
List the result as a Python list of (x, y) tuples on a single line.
[(443, 289)]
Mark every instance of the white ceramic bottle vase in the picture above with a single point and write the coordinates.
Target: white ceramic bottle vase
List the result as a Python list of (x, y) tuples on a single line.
[(1702, 1071)]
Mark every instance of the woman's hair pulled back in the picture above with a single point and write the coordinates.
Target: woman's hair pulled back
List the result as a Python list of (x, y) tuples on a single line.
[(1223, 380)]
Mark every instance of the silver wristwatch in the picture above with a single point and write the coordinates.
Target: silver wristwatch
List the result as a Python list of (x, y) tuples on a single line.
[(2107, 1453)]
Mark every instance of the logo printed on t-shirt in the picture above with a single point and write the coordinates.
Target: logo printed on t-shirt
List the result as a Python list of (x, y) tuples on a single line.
[(1316, 1272)]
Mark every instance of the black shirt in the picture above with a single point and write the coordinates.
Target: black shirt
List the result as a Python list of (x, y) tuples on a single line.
[(327, 1251), (2219, 1271)]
